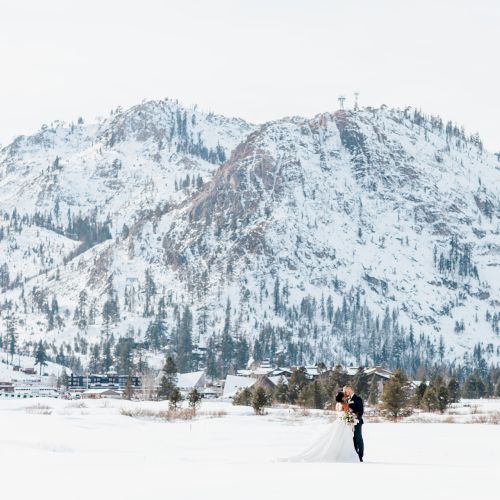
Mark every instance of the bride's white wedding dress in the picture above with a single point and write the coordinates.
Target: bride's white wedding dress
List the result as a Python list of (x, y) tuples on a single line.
[(334, 445)]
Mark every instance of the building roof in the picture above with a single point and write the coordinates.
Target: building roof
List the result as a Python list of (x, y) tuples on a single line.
[(234, 383), (378, 370), (189, 380), (278, 379)]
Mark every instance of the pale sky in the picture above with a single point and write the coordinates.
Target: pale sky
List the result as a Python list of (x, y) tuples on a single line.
[(256, 59)]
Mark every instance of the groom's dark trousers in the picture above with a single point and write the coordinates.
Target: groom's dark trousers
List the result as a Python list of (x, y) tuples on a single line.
[(356, 405), (359, 446)]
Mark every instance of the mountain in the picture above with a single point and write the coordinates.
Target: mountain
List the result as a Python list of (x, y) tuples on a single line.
[(365, 236)]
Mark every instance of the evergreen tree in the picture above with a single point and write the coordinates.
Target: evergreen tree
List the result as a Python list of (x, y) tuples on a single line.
[(430, 399), (124, 351), (419, 393), (63, 380), (194, 399), (473, 387), (149, 293), (281, 393), (373, 395), (396, 396), (107, 361), (242, 353), (276, 296), (454, 391), (260, 400), (168, 381), (227, 348), (243, 397), (360, 383), (184, 342), (318, 395), (11, 338), (443, 398), (41, 356), (95, 359), (156, 333), (212, 371), (296, 383), (174, 399), (80, 316)]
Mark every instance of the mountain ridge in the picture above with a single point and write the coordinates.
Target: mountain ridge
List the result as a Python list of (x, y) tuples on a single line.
[(300, 236)]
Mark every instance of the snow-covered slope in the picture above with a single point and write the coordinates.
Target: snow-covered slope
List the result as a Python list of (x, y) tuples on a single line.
[(367, 236)]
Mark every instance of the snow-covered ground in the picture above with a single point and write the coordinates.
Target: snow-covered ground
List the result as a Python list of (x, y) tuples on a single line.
[(7, 373), (65, 449)]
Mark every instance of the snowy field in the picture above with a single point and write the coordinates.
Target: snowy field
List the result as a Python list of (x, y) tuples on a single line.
[(55, 449)]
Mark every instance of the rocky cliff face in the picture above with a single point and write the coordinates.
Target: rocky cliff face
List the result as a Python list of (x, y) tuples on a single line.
[(359, 236)]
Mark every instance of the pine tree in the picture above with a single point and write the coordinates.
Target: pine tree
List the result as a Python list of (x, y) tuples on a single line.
[(107, 361), (168, 381), (184, 342), (40, 356), (281, 393), (276, 296), (149, 293), (443, 398), (124, 350), (243, 397), (227, 348), (174, 399), (80, 316), (11, 338), (360, 383), (419, 393), (454, 391), (194, 399), (373, 394), (296, 383), (242, 353), (95, 359), (473, 387), (260, 400), (318, 395), (63, 380), (430, 399), (212, 370), (397, 395)]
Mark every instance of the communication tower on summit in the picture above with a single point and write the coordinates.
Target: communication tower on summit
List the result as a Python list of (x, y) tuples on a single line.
[(356, 95), (341, 100)]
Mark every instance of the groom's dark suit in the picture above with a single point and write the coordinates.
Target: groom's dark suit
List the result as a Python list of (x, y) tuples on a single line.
[(356, 405)]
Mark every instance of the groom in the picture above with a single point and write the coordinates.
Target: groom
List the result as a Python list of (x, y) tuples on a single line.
[(356, 405)]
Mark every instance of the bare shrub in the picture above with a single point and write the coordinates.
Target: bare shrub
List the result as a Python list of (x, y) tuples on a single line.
[(479, 419), (39, 409), (494, 418), (449, 419), (214, 414), (76, 404), (169, 415), (474, 409)]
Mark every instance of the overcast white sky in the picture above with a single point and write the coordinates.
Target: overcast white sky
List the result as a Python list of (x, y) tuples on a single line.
[(258, 59)]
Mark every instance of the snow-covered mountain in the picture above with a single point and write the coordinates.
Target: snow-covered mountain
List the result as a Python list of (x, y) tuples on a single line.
[(367, 236)]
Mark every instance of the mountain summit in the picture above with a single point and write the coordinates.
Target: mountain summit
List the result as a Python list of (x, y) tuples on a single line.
[(364, 236)]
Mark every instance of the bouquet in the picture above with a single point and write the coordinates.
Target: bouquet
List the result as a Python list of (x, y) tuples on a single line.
[(349, 419)]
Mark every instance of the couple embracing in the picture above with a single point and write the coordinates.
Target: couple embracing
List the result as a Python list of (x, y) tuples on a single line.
[(343, 440)]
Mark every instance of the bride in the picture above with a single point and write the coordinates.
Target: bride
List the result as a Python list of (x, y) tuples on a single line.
[(335, 445)]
